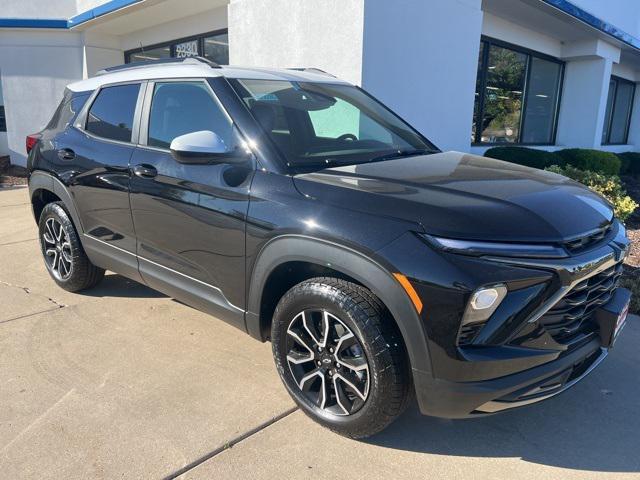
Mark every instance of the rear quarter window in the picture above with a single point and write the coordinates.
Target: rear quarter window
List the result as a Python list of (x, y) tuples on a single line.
[(67, 111)]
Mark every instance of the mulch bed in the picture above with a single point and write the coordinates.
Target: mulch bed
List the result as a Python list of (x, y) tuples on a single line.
[(11, 175)]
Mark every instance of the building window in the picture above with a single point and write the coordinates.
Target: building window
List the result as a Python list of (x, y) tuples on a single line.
[(3, 120), (517, 95), (618, 114), (213, 46)]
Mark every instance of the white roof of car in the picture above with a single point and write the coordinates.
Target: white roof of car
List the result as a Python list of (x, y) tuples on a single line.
[(192, 68)]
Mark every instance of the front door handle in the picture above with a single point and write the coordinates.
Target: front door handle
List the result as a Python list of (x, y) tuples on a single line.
[(66, 154), (145, 171)]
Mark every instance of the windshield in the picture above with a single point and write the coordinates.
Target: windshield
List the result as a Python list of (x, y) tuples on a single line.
[(317, 125)]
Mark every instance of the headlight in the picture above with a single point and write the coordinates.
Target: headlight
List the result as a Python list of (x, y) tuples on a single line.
[(477, 248)]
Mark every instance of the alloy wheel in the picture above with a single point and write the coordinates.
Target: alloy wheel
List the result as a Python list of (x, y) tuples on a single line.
[(57, 249), (327, 362)]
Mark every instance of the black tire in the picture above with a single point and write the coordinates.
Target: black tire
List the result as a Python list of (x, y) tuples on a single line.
[(389, 381), (74, 271)]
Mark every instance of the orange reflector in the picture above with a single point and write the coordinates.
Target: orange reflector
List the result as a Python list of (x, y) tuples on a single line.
[(413, 295)]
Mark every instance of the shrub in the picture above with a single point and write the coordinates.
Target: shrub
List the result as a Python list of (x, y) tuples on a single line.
[(630, 163), (609, 186), (598, 161), (632, 282), (529, 157)]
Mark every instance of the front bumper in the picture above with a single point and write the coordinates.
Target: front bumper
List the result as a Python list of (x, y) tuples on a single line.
[(441, 398), (517, 359)]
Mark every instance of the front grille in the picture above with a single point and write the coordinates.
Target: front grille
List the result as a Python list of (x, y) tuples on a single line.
[(570, 321), (583, 243)]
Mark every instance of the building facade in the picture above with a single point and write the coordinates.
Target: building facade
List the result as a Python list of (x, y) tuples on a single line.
[(468, 74)]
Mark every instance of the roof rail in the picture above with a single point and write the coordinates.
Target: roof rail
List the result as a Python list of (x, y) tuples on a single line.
[(312, 70), (160, 61)]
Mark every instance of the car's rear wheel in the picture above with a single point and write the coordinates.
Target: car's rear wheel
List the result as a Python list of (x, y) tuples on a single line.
[(340, 356), (64, 257)]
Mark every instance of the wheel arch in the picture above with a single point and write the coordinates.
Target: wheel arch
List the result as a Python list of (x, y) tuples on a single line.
[(44, 188), (350, 264)]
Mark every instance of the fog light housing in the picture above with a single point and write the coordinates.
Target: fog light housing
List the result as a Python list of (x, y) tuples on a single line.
[(483, 302)]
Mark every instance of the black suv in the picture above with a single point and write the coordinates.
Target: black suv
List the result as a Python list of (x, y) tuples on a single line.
[(301, 210)]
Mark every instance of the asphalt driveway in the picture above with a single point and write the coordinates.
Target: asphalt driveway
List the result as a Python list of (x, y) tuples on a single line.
[(123, 382)]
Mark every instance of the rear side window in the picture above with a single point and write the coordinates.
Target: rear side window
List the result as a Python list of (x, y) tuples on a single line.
[(111, 115), (179, 108)]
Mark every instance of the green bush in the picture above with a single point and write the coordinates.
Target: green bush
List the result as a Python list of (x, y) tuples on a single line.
[(598, 161), (630, 163), (529, 157), (632, 282), (609, 186)]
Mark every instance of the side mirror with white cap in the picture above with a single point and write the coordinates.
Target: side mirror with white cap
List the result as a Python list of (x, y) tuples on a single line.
[(203, 147)]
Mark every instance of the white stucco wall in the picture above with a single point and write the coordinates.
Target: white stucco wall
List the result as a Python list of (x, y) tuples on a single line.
[(421, 58), (496, 27), (37, 8), (325, 34), (207, 21), (36, 66)]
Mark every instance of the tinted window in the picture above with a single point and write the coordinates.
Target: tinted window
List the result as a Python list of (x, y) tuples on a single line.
[(618, 113), (542, 99), (503, 95), (150, 54), (111, 115), (216, 48), (212, 46), (517, 95), (621, 112), (185, 107), (607, 116), (3, 123), (317, 124)]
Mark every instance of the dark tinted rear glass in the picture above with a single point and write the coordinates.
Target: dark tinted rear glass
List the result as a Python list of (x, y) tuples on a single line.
[(111, 115)]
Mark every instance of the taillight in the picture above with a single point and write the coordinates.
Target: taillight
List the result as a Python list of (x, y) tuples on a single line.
[(31, 141)]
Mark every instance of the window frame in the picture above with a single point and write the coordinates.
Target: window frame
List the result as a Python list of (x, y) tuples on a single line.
[(488, 42), (172, 44), (81, 118), (3, 123), (609, 121)]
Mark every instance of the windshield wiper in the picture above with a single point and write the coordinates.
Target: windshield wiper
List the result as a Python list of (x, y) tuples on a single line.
[(326, 163), (401, 153), (333, 162)]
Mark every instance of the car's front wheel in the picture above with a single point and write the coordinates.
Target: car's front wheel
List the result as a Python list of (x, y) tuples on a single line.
[(340, 356), (63, 254)]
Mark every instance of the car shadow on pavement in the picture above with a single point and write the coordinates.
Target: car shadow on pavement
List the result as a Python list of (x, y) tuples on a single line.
[(114, 285), (594, 426)]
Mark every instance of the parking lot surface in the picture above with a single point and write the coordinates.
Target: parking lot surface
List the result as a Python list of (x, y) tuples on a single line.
[(123, 382)]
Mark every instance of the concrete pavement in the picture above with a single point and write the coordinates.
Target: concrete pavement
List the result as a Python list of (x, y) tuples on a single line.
[(123, 382)]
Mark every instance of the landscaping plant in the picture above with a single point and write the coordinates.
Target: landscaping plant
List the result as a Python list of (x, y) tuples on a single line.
[(609, 186)]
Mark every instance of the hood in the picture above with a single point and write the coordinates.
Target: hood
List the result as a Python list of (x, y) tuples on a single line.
[(458, 195)]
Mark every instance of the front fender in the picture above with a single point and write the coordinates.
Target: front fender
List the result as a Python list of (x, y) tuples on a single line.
[(366, 270)]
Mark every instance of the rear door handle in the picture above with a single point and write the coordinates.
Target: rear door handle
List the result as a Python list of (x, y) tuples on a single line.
[(66, 154), (145, 171)]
